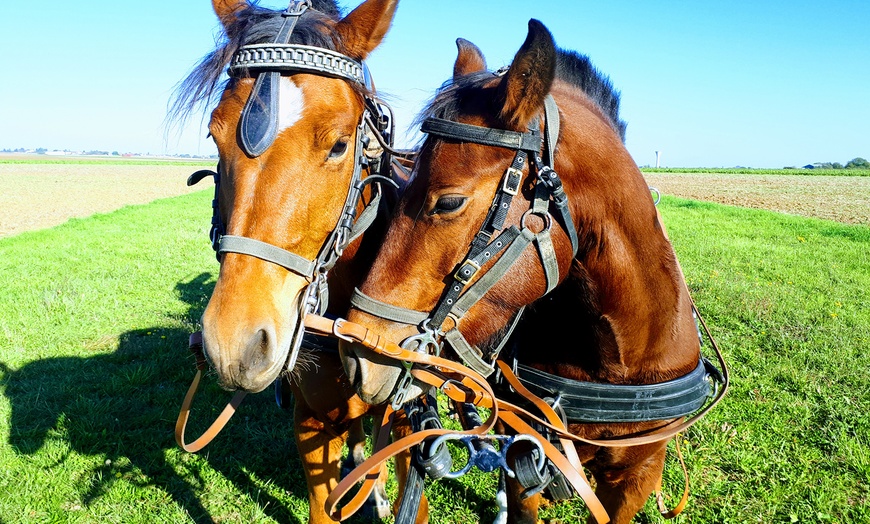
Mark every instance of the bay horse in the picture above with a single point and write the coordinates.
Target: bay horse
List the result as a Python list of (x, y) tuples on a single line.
[(297, 128), (538, 146)]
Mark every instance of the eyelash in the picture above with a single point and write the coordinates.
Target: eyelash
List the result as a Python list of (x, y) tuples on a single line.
[(447, 204), (338, 149)]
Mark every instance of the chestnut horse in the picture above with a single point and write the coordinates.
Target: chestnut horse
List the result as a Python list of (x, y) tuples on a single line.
[(293, 129), (615, 308)]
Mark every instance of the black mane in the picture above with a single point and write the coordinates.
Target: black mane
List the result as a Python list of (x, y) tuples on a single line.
[(571, 67), (578, 70), (252, 25)]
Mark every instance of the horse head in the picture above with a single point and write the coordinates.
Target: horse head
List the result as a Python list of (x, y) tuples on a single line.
[(291, 130), (522, 182)]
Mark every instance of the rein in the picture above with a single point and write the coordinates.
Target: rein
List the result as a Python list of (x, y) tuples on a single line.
[(464, 385)]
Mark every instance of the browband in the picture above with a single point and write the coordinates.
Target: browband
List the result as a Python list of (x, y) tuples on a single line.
[(295, 57), (530, 141)]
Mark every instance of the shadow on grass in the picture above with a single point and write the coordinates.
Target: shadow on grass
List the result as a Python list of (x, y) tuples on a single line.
[(122, 406)]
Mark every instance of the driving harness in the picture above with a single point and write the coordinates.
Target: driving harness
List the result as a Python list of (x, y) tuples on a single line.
[(575, 401), (553, 462)]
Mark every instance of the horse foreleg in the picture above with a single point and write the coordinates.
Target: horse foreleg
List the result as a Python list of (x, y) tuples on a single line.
[(624, 490), (378, 505), (320, 449), (520, 510), (403, 464)]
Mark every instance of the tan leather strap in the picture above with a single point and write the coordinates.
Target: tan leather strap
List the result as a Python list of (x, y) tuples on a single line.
[(660, 500), (370, 476), (195, 345), (573, 475), (457, 381)]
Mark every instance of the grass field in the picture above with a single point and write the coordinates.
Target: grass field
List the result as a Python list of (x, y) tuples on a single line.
[(95, 313)]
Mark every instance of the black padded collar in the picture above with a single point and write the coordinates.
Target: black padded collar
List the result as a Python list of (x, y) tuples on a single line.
[(597, 402)]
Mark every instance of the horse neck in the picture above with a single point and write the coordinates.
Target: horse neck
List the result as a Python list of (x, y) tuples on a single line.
[(623, 306)]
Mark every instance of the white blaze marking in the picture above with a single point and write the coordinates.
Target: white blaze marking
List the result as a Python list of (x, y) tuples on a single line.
[(291, 102)]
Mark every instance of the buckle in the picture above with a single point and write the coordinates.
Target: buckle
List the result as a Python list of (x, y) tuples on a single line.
[(466, 271), (506, 187)]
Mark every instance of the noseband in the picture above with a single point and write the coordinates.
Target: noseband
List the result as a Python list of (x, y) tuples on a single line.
[(258, 128)]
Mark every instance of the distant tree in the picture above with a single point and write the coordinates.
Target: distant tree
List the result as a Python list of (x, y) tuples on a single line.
[(858, 163), (837, 165), (115, 153), (41, 150)]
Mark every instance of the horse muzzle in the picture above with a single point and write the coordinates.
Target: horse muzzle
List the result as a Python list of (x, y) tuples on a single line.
[(373, 376)]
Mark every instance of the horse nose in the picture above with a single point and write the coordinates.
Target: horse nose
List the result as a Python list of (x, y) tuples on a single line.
[(258, 347), (247, 372), (351, 368)]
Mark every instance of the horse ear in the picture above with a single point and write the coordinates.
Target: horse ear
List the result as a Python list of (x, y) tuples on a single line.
[(226, 9), (529, 78), (469, 60), (363, 29)]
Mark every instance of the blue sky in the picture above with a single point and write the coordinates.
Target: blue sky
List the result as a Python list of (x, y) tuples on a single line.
[(713, 84)]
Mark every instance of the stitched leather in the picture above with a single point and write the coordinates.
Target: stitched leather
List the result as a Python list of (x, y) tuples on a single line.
[(482, 135)]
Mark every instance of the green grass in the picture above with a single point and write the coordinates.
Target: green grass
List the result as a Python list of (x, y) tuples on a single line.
[(94, 317), (756, 171)]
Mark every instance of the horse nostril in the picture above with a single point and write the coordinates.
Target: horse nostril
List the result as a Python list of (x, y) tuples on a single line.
[(258, 348), (351, 367)]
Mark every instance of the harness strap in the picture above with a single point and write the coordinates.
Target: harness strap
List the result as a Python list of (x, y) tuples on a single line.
[(660, 500), (264, 251), (551, 128), (386, 311), (489, 136)]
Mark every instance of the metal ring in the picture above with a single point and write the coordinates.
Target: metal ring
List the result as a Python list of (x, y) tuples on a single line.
[(442, 441), (542, 458), (548, 220), (658, 197)]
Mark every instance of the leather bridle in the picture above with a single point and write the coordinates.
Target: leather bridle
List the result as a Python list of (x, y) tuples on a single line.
[(258, 129), (491, 240), (373, 150)]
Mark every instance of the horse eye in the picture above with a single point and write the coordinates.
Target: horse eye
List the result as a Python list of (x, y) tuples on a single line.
[(447, 204), (339, 148)]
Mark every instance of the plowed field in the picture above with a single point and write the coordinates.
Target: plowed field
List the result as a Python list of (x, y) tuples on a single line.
[(35, 196)]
